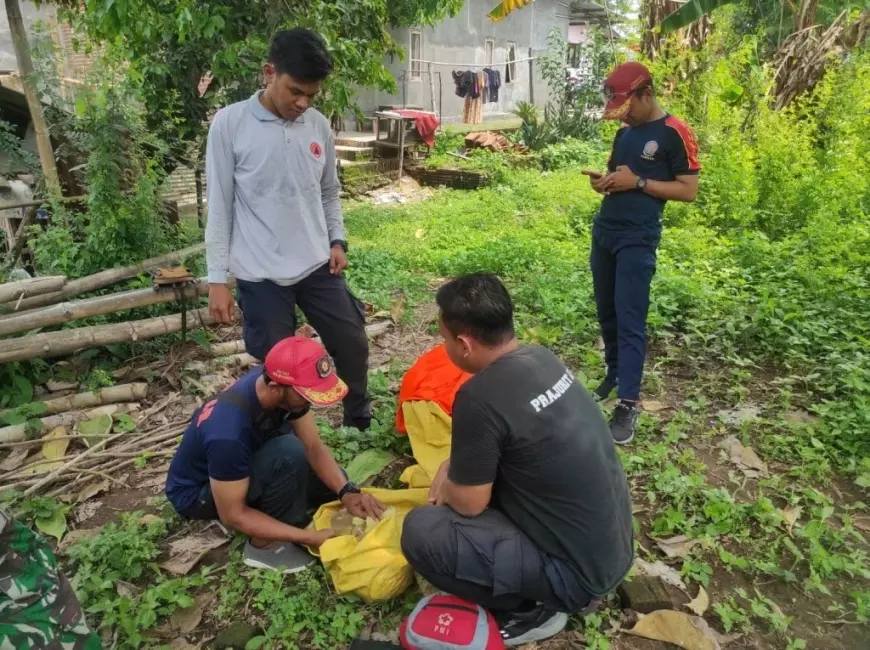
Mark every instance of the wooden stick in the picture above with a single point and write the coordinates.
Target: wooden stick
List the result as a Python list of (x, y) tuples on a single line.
[(70, 463), (54, 344), (34, 286), (105, 278), (227, 349), (70, 311), (108, 395)]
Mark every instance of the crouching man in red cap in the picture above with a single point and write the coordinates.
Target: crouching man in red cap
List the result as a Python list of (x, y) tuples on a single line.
[(252, 457), (654, 160)]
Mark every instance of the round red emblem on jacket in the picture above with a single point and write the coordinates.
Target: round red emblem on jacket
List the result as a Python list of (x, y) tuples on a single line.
[(316, 150)]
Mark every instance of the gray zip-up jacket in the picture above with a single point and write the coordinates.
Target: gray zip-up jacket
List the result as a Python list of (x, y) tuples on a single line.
[(273, 194)]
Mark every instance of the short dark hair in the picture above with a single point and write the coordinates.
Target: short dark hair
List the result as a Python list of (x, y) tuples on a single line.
[(647, 86), (300, 53), (478, 305)]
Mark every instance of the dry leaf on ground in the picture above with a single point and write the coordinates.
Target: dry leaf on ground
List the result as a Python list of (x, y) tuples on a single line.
[(76, 536), (662, 571), (185, 553), (15, 459), (127, 589), (87, 510), (679, 546), (53, 450), (150, 519), (397, 308), (682, 630), (653, 406), (700, 603), (92, 489), (744, 458), (791, 515), (93, 430), (186, 619)]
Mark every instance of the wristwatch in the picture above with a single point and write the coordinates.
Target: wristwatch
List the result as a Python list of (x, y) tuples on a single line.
[(349, 488), (641, 184), (339, 242)]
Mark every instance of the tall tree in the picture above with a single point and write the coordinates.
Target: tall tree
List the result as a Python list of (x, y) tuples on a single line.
[(175, 47)]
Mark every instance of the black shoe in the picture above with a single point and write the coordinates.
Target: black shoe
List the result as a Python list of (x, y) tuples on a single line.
[(535, 625), (623, 422), (605, 389)]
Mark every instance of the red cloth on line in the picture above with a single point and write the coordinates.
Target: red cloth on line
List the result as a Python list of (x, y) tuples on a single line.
[(432, 378), (426, 124)]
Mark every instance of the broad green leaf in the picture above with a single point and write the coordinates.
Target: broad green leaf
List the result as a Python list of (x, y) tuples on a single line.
[(256, 643), (368, 464), (94, 430), (124, 423), (55, 525), (689, 13)]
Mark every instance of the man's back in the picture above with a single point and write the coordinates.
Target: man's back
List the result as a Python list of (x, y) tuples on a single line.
[(558, 476)]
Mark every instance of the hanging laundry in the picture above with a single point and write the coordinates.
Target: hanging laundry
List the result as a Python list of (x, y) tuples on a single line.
[(465, 81), (493, 83)]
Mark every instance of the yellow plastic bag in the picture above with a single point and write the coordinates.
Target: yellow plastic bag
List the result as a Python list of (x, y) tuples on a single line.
[(429, 430), (373, 567)]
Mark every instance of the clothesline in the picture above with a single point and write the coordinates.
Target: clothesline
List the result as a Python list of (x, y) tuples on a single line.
[(475, 65)]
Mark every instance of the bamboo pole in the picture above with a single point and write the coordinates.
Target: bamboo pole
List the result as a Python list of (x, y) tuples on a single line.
[(228, 348), (102, 397), (18, 432), (103, 279), (55, 344), (70, 311), (11, 291), (25, 69)]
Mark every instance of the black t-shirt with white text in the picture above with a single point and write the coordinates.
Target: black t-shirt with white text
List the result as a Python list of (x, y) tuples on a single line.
[(526, 425)]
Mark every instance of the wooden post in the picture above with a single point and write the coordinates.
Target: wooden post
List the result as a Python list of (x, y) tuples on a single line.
[(401, 147), (432, 88), (531, 78), (25, 69)]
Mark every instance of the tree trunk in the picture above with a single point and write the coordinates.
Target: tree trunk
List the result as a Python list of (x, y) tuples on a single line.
[(55, 344), (70, 311), (104, 278), (105, 396), (14, 290), (25, 69)]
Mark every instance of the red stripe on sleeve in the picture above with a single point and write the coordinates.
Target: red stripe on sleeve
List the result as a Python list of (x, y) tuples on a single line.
[(689, 142)]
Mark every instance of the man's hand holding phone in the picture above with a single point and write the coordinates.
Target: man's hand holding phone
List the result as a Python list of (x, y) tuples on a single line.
[(596, 180)]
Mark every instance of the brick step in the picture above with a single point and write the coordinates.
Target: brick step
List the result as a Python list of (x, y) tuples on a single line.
[(345, 152)]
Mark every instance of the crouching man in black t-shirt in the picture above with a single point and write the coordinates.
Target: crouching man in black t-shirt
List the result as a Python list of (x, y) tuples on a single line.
[(532, 516)]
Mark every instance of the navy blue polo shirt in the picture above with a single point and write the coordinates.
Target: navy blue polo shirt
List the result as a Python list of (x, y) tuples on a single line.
[(659, 150), (218, 444)]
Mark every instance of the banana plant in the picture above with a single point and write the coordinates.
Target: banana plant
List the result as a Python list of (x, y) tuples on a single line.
[(503, 8), (689, 13)]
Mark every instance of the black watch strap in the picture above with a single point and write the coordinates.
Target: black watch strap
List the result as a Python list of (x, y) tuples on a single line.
[(349, 488), (339, 242)]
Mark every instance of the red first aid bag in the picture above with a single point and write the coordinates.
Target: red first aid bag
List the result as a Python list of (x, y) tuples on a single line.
[(444, 622)]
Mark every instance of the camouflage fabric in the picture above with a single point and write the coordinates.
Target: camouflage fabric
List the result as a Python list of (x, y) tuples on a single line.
[(38, 607)]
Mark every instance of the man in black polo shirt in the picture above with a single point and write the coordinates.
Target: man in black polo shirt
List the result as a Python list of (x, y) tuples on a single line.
[(531, 515), (654, 160)]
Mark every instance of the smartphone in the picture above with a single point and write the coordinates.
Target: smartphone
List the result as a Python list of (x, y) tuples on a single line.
[(591, 174)]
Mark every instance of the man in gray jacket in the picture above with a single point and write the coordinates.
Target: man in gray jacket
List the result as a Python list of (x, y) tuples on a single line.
[(274, 217)]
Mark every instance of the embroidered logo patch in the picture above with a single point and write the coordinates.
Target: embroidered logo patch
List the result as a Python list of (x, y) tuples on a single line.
[(324, 367), (316, 150), (650, 148)]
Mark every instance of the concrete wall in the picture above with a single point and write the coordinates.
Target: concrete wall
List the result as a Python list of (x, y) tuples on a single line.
[(460, 41), (30, 14)]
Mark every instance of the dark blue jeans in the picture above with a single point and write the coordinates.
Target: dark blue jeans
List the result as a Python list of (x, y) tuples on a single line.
[(622, 270), (338, 317), (283, 485)]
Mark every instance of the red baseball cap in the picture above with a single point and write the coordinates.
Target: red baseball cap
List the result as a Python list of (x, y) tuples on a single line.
[(304, 364), (620, 86)]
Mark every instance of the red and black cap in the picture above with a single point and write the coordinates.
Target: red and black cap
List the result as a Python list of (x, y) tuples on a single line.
[(303, 364), (620, 88)]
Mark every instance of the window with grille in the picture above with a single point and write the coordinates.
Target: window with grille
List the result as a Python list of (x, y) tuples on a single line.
[(511, 68), (416, 54)]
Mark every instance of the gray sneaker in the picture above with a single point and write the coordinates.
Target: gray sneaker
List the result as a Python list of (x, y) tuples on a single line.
[(284, 557)]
